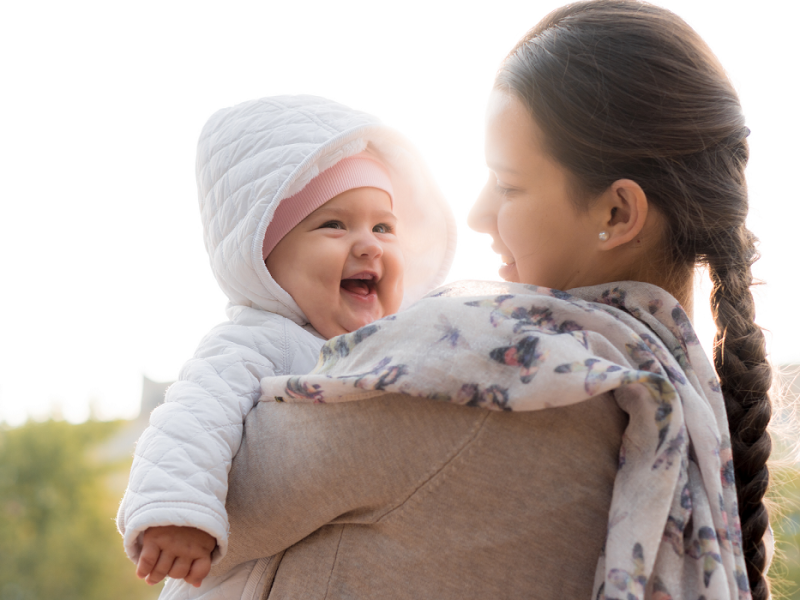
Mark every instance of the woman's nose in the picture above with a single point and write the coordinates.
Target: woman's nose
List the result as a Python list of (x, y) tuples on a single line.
[(483, 214)]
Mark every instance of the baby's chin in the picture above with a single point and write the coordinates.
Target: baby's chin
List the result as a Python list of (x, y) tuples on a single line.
[(330, 330), (354, 320), (358, 323)]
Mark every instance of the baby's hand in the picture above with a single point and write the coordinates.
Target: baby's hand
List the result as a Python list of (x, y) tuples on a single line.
[(180, 552)]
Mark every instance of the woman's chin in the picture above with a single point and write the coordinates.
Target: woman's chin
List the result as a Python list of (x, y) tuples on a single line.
[(509, 273)]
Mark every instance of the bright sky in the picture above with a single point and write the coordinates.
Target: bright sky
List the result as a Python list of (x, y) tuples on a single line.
[(104, 273)]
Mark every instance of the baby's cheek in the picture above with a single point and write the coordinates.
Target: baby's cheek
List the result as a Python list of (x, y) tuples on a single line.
[(392, 305)]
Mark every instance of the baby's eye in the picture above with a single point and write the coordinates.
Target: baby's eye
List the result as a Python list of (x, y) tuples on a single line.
[(332, 225), (383, 228)]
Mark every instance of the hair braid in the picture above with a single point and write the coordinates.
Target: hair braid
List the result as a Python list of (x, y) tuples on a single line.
[(745, 376)]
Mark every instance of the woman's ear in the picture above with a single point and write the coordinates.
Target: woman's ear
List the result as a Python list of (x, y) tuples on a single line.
[(622, 212)]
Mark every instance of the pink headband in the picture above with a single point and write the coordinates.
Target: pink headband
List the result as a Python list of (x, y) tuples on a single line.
[(348, 174)]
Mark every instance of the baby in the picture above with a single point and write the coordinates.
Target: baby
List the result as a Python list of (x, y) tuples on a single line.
[(318, 220)]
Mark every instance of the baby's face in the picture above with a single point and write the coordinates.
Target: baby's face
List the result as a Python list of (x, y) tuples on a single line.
[(343, 264)]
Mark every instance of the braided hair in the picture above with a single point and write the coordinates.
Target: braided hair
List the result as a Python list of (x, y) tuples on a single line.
[(624, 89)]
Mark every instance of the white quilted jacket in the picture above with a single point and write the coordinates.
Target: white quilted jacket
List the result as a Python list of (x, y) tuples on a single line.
[(249, 158)]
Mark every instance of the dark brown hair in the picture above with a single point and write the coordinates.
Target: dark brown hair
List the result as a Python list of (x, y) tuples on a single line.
[(624, 89)]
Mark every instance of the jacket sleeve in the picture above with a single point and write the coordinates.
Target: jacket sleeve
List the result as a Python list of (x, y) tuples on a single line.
[(180, 468)]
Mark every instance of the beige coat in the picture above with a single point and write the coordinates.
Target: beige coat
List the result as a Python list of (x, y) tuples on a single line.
[(398, 497)]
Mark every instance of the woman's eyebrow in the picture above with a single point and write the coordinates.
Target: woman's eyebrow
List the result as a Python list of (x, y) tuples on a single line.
[(498, 168)]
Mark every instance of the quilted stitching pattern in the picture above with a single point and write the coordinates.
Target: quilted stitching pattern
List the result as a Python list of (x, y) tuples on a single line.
[(180, 468)]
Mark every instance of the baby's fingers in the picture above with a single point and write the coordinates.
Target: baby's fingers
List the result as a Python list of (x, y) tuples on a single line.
[(200, 568), (180, 568), (162, 568), (147, 560)]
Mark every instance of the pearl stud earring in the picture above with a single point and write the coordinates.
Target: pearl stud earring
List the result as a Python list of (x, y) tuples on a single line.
[(603, 235)]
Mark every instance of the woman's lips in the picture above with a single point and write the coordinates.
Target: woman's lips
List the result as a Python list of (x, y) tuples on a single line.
[(509, 270)]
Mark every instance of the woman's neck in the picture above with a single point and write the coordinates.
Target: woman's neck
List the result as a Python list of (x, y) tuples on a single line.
[(679, 282)]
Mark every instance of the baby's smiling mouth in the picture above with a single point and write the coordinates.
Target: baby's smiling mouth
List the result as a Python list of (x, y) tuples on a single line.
[(360, 284)]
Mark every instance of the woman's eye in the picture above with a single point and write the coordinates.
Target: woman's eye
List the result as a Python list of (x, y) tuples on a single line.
[(382, 228), (502, 190), (332, 225)]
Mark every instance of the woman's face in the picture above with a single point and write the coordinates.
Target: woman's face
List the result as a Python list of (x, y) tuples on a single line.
[(542, 237)]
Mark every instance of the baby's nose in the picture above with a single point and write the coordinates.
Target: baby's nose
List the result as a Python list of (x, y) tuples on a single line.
[(367, 246)]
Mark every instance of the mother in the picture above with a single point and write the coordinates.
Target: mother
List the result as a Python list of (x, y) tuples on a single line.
[(617, 150)]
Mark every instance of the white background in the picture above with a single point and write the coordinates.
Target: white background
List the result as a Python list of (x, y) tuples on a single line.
[(104, 275)]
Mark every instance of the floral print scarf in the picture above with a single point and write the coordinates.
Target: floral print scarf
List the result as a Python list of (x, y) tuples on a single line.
[(673, 527)]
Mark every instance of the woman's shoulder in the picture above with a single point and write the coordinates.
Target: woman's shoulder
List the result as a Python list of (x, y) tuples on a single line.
[(412, 479)]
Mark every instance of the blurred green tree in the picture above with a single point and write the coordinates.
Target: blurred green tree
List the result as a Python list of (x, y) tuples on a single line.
[(785, 518), (58, 540)]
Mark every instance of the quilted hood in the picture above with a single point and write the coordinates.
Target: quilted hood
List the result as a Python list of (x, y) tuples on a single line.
[(253, 155)]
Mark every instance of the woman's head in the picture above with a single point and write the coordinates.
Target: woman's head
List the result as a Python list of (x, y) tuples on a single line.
[(545, 233), (635, 133), (625, 90)]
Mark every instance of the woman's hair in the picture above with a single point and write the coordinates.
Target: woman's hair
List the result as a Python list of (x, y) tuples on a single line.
[(625, 90)]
